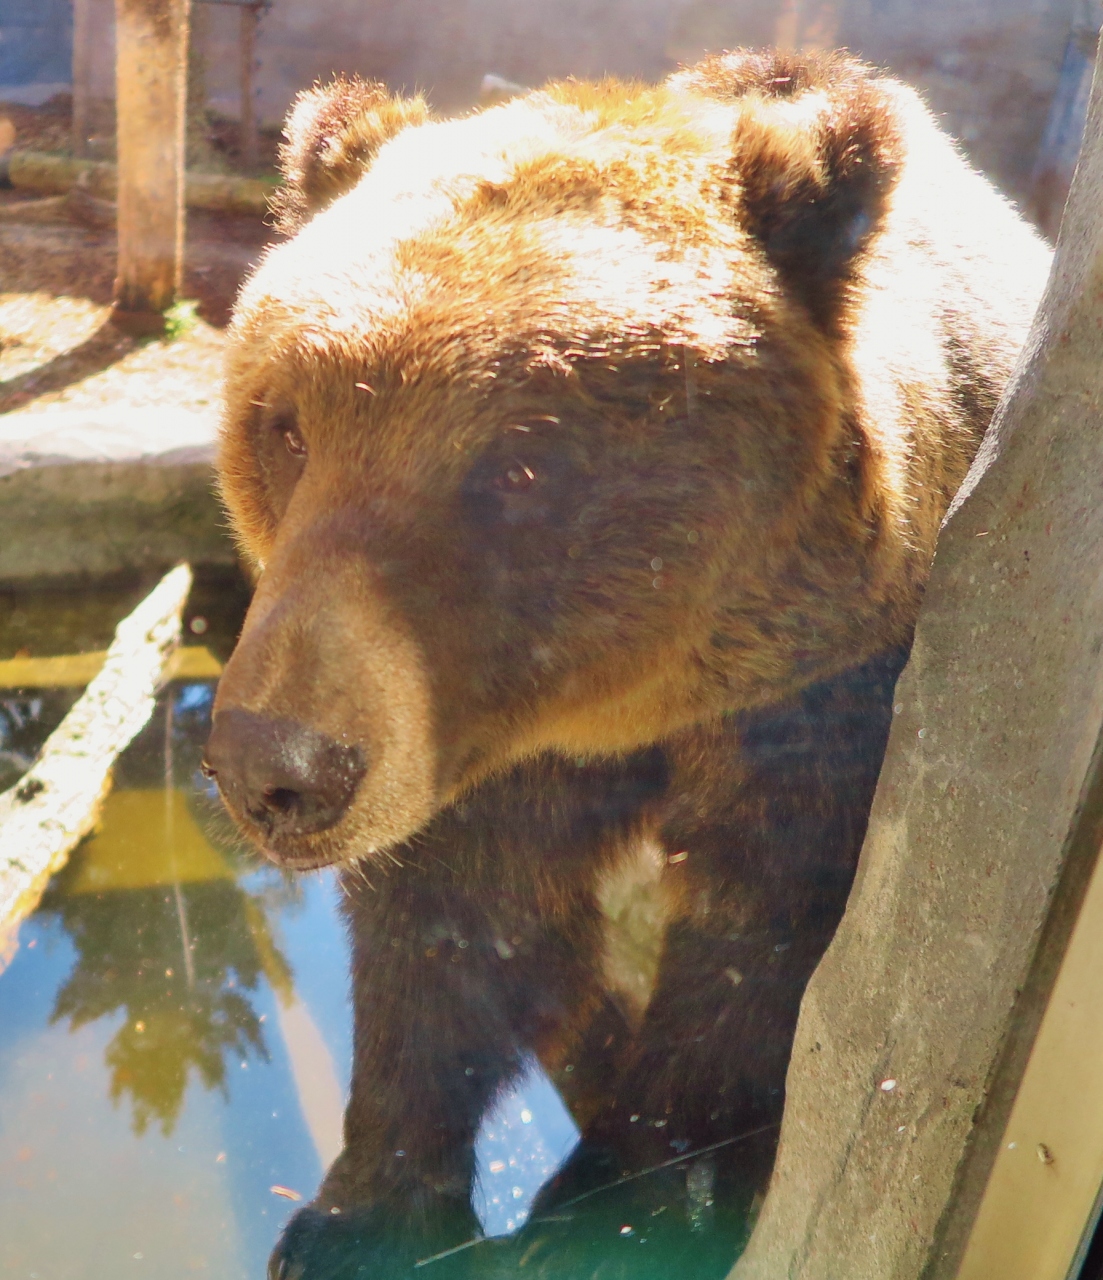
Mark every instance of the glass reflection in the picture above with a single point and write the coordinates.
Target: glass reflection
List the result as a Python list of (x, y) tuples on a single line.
[(26, 720)]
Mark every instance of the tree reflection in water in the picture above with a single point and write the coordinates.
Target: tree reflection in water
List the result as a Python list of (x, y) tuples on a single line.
[(129, 958), (169, 920), (163, 930)]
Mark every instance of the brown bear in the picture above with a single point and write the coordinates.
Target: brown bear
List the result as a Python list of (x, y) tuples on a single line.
[(592, 450)]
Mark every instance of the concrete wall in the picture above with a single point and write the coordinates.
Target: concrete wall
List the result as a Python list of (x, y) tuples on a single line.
[(988, 67)]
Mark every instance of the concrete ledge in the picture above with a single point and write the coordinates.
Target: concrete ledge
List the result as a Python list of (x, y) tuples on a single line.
[(94, 494)]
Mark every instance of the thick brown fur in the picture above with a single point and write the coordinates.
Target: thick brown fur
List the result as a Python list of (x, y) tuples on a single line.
[(332, 135), (623, 422)]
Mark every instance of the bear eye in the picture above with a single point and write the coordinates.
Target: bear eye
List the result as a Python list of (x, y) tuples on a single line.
[(292, 438), (516, 478)]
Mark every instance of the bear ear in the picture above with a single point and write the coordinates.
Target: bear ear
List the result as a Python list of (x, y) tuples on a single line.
[(332, 133), (816, 152)]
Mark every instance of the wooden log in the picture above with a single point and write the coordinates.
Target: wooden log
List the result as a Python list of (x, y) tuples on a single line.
[(55, 804), (50, 175), (151, 70), (916, 1028)]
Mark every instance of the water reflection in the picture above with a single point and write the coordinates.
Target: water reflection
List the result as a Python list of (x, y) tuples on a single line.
[(178, 1016), (129, 957), (148, 1091), (26, 720), (164, 933)]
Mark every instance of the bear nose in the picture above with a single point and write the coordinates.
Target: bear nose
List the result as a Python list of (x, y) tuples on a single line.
[(286, 777)]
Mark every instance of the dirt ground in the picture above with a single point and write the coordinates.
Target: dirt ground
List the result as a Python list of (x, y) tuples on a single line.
[(57, 345), (57, 269)]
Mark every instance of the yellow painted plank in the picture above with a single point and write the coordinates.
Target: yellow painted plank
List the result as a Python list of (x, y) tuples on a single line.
[(1049, 1168), (47, 673), (193, 662), (146, 838), (71, 670)]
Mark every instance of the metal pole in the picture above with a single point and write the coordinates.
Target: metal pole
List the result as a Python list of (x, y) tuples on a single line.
[(250, 18), (82, 75)]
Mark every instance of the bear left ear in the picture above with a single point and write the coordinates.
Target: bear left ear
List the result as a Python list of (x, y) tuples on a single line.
[(332, 133), (816, 151)]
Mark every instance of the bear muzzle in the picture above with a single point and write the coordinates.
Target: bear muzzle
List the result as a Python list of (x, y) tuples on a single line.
[(285, 779)]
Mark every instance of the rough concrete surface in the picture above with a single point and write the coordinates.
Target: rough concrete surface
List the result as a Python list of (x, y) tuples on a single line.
[(88, 494), (915, 1029)]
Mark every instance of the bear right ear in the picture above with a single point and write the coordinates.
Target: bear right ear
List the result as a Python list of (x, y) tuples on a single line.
[(332, 133)]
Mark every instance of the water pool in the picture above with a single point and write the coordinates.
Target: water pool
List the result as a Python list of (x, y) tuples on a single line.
[(175, 1039)]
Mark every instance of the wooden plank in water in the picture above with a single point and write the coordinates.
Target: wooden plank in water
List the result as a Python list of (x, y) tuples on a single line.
[(55, 804)]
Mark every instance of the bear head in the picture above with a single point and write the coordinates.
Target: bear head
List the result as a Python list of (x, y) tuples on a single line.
[(540, 432)]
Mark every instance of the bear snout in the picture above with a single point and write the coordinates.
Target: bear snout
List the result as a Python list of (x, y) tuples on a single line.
[(285, 778)]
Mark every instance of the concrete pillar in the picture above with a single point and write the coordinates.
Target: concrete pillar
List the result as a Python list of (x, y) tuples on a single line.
[(151, 99)]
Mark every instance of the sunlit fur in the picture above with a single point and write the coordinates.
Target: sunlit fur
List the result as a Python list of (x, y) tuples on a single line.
[(769, 305), (622, 420)]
